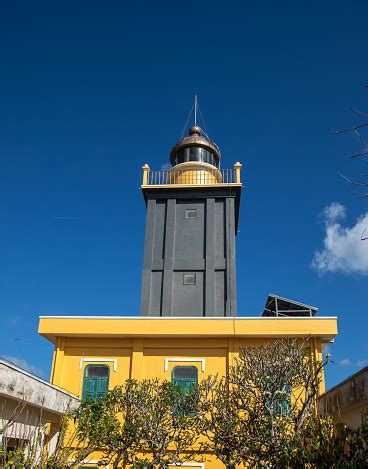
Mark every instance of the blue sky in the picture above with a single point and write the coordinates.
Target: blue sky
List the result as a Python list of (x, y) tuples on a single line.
[(90, 91)]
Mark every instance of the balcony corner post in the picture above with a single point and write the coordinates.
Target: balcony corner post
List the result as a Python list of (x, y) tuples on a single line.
[(146, 169), (237, 167)]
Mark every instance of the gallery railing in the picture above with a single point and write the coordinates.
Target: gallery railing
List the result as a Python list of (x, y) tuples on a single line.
[(191, 176)]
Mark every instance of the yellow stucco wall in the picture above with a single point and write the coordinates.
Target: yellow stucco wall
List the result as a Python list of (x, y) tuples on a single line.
[(140, 347), (147, 358), (150, 347)]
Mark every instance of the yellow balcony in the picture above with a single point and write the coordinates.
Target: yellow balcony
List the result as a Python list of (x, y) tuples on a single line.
[(192, 174)]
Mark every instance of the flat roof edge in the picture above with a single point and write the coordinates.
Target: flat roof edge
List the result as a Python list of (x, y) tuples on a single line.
[(188, 318)]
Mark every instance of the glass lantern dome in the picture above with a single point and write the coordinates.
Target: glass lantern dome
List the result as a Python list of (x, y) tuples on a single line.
[(195, 147)]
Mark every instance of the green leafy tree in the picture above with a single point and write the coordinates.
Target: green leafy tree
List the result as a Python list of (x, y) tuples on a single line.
[(346, 448), (145, 423), (277, 386), (111, 424), (220, 420), (167, 427), (33, 450), (263, 413)]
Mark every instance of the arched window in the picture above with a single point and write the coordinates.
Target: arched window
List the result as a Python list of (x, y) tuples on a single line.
[(96, 381), (185, 376), (281, 402)]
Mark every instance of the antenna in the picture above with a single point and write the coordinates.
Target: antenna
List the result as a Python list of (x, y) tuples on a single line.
[(195, 109), (17, 341), (198, 117)]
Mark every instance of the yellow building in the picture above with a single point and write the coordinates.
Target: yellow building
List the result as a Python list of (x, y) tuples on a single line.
[(188, 327), (110, 350)]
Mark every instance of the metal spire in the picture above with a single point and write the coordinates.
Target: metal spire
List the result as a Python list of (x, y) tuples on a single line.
[(195, 109)]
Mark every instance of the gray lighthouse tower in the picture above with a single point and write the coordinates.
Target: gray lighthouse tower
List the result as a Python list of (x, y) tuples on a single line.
[(192, 218)]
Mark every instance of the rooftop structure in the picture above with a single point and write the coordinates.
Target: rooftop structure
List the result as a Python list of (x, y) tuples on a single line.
[(277, 306)]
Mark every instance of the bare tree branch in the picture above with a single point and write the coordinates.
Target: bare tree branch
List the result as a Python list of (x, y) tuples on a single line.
[(357, 129), (350, 129), (357, 154), (355, 183), (356, 111), (361, 138)]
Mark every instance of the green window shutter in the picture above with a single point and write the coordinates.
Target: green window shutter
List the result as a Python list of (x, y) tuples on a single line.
[(102, 386), (185, 384), (281, 405), (186, 377), (89, 388), (96, 381), (284, 402)]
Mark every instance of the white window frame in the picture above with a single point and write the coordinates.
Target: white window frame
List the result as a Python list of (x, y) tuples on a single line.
[(98, 360), (189, 464), (89, 461), (168, 360)]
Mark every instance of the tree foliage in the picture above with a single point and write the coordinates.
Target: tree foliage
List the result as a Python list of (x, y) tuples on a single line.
[(258, 414), (33, 450), (220, 420), (263, 413), (142, 423), (277, 386)]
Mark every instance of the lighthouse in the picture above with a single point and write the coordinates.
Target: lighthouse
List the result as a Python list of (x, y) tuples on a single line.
[(189, 267)]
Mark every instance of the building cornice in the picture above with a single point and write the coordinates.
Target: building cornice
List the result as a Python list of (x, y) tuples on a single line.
[(194, 318), (52, 327)]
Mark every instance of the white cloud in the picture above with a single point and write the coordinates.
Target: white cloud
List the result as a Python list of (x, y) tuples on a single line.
[(333, 212), (344, 250), (23, 364), (357, 364)]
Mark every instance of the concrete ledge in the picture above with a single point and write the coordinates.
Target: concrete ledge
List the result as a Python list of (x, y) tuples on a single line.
[(350, 393)]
